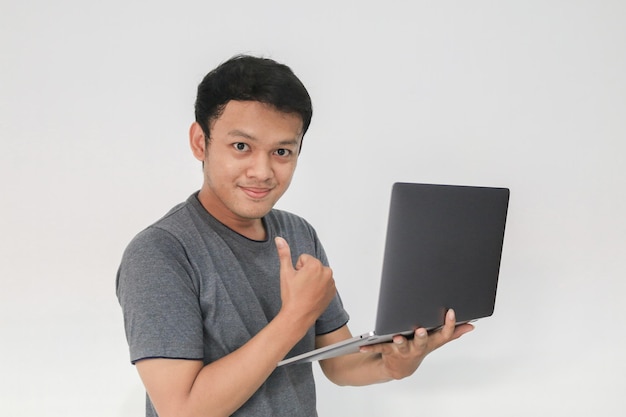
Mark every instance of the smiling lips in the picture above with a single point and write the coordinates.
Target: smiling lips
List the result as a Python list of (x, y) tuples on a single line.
[(256, 193)]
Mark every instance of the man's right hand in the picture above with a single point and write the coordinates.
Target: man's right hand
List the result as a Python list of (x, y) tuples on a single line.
[(307, 288)]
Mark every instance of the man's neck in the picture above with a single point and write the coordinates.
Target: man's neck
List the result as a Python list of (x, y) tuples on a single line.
[(253, 229)]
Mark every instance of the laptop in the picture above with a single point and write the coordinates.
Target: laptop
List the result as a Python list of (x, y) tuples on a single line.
[(442, 251)]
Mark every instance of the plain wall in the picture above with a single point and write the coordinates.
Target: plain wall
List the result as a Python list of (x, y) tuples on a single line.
[(95, 103)]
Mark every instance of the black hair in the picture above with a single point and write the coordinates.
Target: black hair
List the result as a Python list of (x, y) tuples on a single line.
[(249, 78)]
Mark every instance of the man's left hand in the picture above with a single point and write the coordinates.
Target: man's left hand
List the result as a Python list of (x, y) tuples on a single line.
[(403, 356)]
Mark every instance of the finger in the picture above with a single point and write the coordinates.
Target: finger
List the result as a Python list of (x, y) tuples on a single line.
[(300, 262), (401, 344), (382, 348), (306, 259), (398, 344), (420, 339), (461, 329), (450, 323), (450, 330), (284, 255)]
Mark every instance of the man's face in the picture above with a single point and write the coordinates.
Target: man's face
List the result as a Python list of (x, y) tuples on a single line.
[(249, 161)]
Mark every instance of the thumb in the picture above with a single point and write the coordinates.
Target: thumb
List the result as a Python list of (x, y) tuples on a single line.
[(284, 255)]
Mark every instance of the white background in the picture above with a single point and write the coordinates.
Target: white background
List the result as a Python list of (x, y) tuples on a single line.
[(95, 102)]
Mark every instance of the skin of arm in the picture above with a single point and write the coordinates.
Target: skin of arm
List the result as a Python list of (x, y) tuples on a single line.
[(184, 388), (386, 361)]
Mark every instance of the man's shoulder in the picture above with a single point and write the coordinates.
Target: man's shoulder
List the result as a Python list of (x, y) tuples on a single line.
[(174, 225), (177, 216)]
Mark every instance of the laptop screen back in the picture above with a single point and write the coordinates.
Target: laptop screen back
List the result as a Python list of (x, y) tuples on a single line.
[(442, 250)]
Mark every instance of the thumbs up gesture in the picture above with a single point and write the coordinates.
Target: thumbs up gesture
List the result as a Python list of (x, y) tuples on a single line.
[(307, 288)]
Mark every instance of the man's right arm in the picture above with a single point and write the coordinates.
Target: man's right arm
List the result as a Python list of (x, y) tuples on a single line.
[(180, 387)]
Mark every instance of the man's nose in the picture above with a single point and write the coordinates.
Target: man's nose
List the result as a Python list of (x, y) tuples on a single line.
[(260, 167)]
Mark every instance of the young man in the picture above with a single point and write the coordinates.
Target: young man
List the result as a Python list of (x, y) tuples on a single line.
[(224, 287)]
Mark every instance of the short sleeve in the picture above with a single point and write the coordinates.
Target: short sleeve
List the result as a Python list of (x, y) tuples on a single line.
[(159, 299), (333, 318)]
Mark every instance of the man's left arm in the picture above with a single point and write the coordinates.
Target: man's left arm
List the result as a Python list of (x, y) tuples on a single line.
[(386, 361)]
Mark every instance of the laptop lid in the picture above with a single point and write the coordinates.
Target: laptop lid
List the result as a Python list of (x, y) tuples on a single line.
[(442, 251)]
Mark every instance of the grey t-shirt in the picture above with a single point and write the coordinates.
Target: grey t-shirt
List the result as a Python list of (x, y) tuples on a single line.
[(191, 288)]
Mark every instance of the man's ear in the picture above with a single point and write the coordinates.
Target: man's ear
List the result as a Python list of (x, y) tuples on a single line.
[(197, 141)]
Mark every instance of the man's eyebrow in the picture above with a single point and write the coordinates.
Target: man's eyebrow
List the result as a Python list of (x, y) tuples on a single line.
[(242, 134), (294, 142)]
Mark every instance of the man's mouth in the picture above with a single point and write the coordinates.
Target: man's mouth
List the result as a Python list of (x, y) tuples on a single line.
[(255, 192)]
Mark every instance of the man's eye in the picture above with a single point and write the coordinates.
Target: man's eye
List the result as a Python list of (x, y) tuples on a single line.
[(240, 146), (283, 152)]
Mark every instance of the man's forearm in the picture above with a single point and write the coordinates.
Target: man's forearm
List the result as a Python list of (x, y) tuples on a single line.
[(221, 387), (357, 369)]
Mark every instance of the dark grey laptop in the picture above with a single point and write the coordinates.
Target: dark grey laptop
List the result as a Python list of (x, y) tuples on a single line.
[(443, 250)]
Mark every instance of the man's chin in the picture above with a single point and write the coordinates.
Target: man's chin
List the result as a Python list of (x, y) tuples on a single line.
[(253, 213)]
